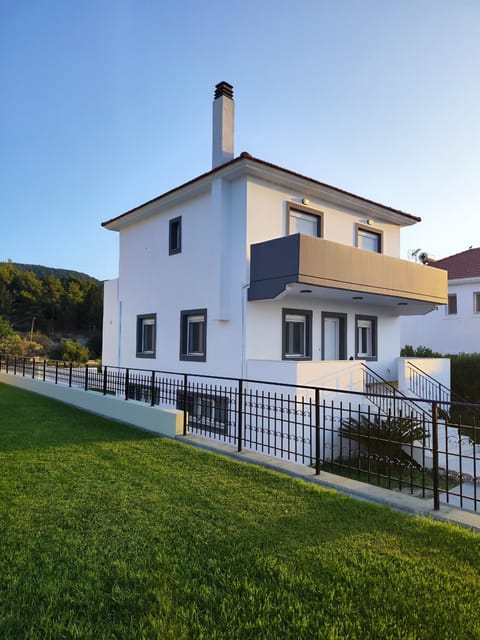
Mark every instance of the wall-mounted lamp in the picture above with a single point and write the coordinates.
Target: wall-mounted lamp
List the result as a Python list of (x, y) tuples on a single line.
[(369, 221), (305, 201)]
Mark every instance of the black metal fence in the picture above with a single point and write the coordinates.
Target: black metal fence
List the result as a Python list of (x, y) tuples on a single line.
[(339, 431)]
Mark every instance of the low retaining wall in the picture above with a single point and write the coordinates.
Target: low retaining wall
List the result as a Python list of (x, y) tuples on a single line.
[(165, 422)]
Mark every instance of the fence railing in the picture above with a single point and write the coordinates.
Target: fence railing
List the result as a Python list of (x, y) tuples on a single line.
[(340, 431)]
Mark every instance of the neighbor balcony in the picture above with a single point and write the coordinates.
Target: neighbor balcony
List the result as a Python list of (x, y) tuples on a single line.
[(334, 271)]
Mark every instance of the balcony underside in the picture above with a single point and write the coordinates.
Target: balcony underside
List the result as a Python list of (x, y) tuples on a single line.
[(329, 270)]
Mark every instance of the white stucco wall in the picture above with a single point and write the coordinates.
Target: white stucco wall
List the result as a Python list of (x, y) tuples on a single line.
[(111, 317), (212, 272), (267, 218), (445, 333)]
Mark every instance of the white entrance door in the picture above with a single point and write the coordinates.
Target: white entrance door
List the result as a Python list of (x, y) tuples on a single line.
[(331, 338)]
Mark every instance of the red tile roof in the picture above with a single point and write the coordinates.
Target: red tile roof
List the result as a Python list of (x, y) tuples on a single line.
[(461, 265)]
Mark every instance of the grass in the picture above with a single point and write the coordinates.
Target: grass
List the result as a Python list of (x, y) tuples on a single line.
[(107, 532)]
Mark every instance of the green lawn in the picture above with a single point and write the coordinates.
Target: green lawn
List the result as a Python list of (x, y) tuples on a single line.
[(108, 532)]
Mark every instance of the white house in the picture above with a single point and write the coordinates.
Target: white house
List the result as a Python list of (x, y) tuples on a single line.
[(253, 270), (454, 328)]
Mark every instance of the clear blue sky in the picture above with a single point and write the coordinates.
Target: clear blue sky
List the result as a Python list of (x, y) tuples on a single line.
[(107, 103)]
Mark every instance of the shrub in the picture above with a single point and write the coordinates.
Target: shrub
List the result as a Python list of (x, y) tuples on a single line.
[(70, 351)]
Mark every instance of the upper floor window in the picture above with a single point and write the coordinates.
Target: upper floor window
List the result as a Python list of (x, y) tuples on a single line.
[(452, 304), (476, 302), (297, 334), (193, 335), (369, 239), (366, 337), (146, 330), (304, 220), (175, 236)]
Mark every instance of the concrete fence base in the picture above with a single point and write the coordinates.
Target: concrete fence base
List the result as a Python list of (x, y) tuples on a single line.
[(165, 422)]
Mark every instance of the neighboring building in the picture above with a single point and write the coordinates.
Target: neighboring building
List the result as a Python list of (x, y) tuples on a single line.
[(252, 270), (454, 328)]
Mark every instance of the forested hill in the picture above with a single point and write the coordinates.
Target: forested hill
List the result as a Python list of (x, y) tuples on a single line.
[(54, 301), (40, 270)]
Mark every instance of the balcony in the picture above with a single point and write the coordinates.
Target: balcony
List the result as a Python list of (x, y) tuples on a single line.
[(339, 272)]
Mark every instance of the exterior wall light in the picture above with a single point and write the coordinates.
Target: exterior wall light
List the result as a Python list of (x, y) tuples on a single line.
[(305, 201)]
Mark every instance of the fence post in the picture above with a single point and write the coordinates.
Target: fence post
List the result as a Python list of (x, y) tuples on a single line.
[(33, 368), (436, 483), (44, 370), (240, 415), (317, 431), (152, 389), (23, 366), (105, 380), (56, 371), (185, 405), (86, 377), (127, 375), (70, 374)]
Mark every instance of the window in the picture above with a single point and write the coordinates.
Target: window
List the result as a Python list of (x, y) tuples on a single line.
[(175, 236), (193, 335), (208, 411), (366, 337), (146, 330), (452, 304), (369, 239), (297, 334), (303, 220), (476, 302)]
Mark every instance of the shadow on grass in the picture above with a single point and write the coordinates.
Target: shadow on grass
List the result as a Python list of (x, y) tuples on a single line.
[(31, 421)]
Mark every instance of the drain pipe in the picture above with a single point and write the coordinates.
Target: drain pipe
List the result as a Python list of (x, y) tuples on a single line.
[(244, 328)]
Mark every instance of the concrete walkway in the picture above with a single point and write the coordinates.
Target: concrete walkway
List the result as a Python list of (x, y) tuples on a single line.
[(359, 490)]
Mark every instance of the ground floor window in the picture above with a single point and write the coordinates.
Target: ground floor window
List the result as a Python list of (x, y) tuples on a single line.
[(297, 334), (366, 337), (146, 330), (205, 410), (193, 335)]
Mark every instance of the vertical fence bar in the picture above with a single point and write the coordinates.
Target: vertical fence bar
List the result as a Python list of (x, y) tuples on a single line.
[(23, 367), (436, 483), (70, 371), (56, 371), (317, 431), (152, 389), (127, 375), (44, 370), (33, 368), (185, 403), (86, 378), (240, 415), (105, 380)]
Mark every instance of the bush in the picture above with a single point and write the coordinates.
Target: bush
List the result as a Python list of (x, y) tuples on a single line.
[(70, 351), (420, 352)]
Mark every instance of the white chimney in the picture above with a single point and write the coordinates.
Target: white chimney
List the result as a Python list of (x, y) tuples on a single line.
[(223, 121)]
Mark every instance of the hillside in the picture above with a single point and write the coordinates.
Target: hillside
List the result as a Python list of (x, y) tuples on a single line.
[(40, 271)]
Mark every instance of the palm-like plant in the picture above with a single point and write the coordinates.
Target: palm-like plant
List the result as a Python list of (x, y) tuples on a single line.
[(385, 438)]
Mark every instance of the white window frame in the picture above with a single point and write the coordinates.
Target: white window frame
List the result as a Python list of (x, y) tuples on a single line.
[(476, 303), (300, 212), (143, 335), (366, 328), (301, 318), (193, 320), (452, 297)]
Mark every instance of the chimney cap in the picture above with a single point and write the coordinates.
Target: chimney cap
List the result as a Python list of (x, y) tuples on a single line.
[(223, 89)]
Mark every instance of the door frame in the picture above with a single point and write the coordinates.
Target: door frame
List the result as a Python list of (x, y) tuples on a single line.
[(342, 347)]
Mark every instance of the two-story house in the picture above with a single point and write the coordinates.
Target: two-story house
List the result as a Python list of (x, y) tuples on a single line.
[(253, 270), (454, 328)]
